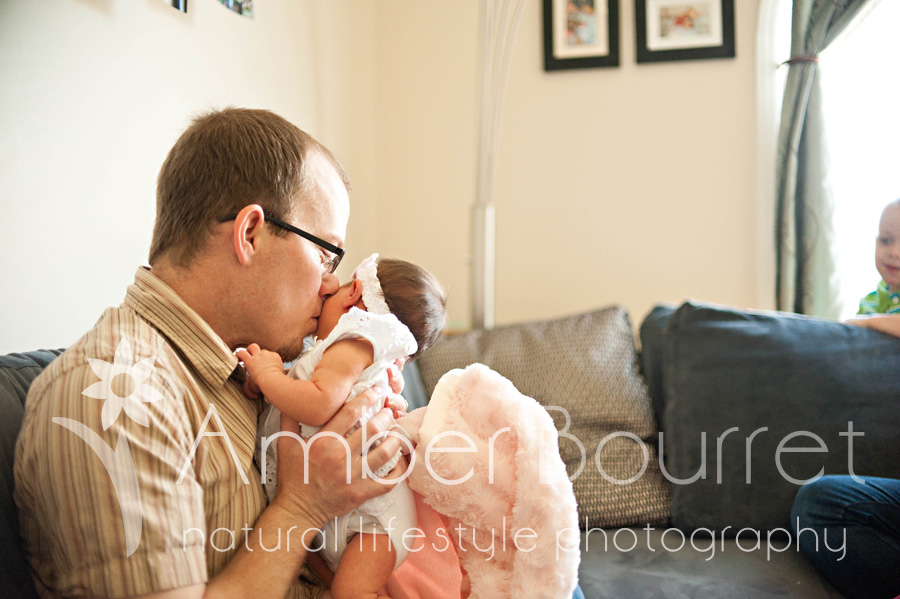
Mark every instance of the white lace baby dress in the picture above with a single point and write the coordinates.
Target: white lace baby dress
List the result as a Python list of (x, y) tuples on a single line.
[(390, 340)]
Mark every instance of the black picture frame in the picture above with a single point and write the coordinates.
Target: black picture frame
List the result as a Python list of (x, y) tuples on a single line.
[(179, 4), (655, 43), (572, 51)]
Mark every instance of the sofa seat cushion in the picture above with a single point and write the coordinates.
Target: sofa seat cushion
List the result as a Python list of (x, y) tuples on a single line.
[(660, 564), (583, 369), (759, 402)]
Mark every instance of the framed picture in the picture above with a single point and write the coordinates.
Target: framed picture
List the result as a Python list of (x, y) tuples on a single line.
[(580, 34), (241, 7), (684, 29), (179, 4)]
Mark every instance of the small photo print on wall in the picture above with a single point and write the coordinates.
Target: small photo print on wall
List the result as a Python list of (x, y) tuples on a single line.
[(683, 24), (581, 30), (241, 7), (684, 29), (179, 4)]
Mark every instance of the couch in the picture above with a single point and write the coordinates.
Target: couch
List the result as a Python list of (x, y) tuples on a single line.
[(708, 378), (707, 383)]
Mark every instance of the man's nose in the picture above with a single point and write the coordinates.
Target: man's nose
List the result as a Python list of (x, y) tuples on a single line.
[(330, 284)]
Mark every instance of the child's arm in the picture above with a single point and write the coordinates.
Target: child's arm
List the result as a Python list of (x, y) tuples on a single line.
[(883, 323), (311, 402)]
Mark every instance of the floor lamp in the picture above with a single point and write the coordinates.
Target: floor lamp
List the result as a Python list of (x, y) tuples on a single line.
[(498, 25)]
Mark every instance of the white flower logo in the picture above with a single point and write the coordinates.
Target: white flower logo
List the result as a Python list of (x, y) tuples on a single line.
[(126, 375)]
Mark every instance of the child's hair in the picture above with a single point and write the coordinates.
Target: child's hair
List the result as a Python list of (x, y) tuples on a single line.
[(416, 298)]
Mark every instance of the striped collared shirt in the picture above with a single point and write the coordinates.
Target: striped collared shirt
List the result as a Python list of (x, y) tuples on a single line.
[(880, 301), (134, 468)]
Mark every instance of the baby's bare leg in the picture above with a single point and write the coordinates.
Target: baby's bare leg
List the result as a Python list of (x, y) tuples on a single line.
[(318, 565), (365, 566)]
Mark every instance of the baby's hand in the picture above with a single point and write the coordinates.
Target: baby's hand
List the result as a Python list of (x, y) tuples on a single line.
[(260, 364), (251, 389), (397, 404)]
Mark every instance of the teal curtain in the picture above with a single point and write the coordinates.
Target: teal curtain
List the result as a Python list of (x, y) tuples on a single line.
[(805, 268)]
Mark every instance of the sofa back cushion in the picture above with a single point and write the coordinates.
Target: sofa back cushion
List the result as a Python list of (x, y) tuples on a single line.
[(651, 358), (755, 384), (413, 387), (586, 365), (17, 371)]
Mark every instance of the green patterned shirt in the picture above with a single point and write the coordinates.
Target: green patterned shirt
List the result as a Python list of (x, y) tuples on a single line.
[(880, 301)]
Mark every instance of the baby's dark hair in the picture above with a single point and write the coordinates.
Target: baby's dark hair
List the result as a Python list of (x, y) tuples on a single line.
[(416, 298)]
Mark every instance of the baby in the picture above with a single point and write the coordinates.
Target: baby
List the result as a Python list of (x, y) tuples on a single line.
[(391, 311)]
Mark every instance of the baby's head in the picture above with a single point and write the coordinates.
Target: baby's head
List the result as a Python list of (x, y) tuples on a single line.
[(411, 293), (887, 246)]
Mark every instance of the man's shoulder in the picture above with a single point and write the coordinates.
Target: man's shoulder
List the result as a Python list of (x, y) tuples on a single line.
[(120, 339)]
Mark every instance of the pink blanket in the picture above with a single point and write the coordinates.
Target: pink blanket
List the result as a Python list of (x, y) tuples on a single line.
[(432, 569), (487, 459)]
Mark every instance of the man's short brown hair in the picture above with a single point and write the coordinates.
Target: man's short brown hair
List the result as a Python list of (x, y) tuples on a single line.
[(224, 161)]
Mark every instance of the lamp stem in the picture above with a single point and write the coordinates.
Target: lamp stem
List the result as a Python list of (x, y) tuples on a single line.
[(497, 37)]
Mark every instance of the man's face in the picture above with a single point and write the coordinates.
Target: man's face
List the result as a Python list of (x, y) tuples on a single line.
[(887, 247), (297, 281)]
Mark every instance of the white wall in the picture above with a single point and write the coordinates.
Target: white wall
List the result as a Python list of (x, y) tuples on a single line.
[(631, 185), (94, 93)]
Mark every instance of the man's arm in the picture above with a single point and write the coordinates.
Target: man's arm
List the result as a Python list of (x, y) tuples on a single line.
[(302, 507), (883, 323)]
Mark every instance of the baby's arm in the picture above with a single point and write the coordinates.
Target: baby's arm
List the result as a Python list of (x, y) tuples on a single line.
[(883, 323), (311, 402)]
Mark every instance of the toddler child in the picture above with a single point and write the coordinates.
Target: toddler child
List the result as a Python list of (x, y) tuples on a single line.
[(392, 310), (886, 298)]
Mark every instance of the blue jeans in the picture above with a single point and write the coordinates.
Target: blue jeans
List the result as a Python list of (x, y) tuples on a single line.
[(861, 553)]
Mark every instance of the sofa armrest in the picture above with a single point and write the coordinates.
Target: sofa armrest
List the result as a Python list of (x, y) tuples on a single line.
[(17, 372)]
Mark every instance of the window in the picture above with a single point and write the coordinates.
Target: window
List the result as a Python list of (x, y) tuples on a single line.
[(861, 101)]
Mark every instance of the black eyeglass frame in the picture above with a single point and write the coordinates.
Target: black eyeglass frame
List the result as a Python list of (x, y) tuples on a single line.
[(338, 252)]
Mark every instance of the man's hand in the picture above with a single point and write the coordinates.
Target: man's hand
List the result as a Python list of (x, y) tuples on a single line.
[(325, 493)]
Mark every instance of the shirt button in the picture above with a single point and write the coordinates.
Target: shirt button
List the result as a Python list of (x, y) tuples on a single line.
[(895, 299)]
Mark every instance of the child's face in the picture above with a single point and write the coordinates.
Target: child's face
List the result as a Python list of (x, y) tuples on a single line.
[(887, 247)]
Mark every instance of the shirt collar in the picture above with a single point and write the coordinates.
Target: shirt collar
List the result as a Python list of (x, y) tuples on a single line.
[(883, 289), (164, 309)]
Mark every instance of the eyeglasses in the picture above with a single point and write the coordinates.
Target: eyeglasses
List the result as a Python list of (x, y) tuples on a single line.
[(330, 264)]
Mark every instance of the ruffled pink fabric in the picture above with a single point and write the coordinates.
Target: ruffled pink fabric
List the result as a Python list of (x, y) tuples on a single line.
[(506, 499)]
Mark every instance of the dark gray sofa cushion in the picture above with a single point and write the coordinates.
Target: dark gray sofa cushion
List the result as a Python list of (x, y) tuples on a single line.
[(727, 368), (651, 359), (17, 371), (655, 567), (413, 387)]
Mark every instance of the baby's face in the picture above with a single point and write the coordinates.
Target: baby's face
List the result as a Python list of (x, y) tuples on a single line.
[(332, 310), (887, 247)]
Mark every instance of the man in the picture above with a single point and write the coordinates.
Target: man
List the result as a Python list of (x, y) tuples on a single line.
[(134, 472)]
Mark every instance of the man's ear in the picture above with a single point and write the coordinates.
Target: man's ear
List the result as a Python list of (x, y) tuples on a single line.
[(245, 234), (355, 296)]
